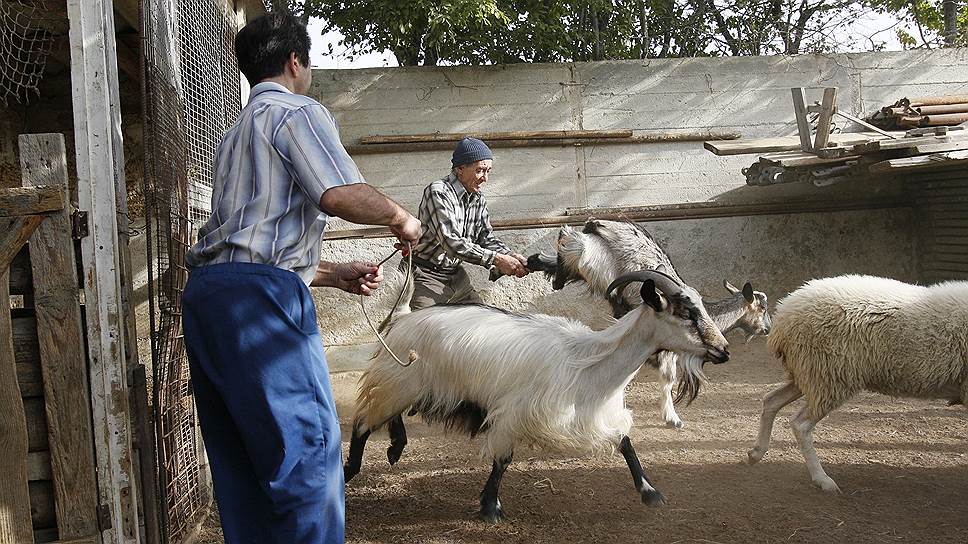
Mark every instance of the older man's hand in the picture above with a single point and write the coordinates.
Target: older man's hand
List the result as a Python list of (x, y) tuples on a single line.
[(509, 265)]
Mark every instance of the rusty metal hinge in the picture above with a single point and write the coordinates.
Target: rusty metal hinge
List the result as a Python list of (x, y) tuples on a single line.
[(79, 227), (103, 517)]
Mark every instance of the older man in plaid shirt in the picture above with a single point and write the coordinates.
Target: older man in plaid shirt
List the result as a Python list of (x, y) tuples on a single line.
[(457, 228)]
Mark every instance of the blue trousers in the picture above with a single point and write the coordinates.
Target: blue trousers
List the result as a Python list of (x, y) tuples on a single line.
[(264, 404)]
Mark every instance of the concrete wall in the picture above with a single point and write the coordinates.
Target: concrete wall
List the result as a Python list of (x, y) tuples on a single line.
[(750, 95)]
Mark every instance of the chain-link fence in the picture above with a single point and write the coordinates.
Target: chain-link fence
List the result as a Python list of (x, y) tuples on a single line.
[(27, 32), (192, 95)]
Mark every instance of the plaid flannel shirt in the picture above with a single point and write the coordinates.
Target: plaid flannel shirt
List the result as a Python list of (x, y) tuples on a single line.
[(456, 227)]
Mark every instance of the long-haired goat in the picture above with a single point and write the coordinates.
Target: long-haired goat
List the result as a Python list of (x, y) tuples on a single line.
[(603, 250), (535, 380), (838, 336)]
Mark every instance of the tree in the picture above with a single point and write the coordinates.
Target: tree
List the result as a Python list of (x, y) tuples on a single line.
[(928, 18), (425, 32)]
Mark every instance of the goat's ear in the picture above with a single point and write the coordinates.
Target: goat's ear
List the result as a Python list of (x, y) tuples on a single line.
[(748, 292), (651, 297), (729, 287)]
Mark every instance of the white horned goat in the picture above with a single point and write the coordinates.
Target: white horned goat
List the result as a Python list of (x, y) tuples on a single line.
[(839, 336), (529, 380), (603, 250)]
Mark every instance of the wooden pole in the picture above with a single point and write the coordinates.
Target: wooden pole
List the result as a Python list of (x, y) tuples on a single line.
[(43, 161), (97, 124), (803, 125), (15, 524), (490, 136), (654, 138), (827, 109)]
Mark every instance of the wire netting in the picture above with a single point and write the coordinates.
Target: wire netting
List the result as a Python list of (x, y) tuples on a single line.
[(26, 39), (192, 95)]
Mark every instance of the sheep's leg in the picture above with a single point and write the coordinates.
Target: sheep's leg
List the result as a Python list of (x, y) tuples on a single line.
[(772, 403), (650, 495), (667, 380), (398, 438), (491, 510), (802, 425), (355, 458)]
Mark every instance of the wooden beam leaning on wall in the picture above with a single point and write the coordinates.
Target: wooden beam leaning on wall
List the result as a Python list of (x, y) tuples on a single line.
[(448, 145), (43, 161)]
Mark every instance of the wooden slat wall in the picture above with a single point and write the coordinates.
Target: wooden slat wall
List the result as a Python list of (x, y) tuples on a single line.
[(941, 208)]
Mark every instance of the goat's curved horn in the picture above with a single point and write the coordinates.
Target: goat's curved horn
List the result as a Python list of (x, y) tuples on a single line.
[(664, 282)]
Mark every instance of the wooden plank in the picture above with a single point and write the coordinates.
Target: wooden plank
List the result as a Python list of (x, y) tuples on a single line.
[(799, 158), (36, 424), (26, 353), (827, 109), (803, 125), (489, 136), (43, 161), (17, 201), (786, 143), (922, 162), (661, 137), (97, 130), (14, 233), (15, 524)]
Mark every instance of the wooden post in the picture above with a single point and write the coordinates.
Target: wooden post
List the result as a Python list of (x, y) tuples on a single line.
[(827, 109), (803, 125), (43, 161), (97, 124), (15, 524)]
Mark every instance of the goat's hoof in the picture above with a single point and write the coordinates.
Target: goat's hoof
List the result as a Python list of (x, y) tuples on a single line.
[(675, 424), (492, 515), (828, 485), (753, 456), (653, 497), (349, 472), (394, 453)]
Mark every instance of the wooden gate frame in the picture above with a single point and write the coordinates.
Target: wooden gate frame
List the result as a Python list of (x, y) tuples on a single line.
[(40, 212)]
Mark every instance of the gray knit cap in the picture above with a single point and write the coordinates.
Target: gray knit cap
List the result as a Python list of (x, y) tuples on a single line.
[(470, 150)]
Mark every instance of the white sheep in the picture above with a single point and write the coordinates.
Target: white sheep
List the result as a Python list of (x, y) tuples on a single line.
[(603, 250), (529, 380), (838, 336)]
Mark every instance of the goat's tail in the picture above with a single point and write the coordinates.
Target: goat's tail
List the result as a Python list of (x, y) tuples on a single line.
[(405, 289)]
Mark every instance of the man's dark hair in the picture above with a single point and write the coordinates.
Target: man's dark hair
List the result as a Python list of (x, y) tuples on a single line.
[(263, 46)]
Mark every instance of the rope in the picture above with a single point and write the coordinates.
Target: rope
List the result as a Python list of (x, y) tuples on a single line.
[(412, 356)]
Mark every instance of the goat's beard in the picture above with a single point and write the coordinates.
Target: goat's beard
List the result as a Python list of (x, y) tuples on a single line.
[(692, 378)]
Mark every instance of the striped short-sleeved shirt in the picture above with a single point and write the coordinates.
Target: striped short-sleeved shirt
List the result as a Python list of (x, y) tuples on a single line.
[(456, 227), (271, 170)]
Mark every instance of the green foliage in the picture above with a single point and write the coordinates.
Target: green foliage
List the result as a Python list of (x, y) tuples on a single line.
[(926, 19), (506, 31)]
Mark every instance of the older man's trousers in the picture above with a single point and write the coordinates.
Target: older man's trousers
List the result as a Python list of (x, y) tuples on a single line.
[(265, 405)]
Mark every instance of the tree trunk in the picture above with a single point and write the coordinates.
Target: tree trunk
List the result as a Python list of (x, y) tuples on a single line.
[(950, 22), (643, 31), (597, 46)]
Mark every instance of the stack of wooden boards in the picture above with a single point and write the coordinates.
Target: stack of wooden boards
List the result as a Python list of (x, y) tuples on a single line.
[(853, 156)]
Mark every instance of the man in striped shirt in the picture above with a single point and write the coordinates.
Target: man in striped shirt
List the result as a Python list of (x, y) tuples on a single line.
[(257, 365), (457, 228)]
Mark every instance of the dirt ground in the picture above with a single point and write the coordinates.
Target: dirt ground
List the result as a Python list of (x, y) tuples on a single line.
[(902, 465)]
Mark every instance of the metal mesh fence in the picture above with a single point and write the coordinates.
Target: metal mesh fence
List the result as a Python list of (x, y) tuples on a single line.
[(192, 95), (26, 38)]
